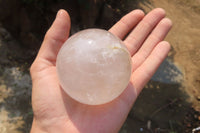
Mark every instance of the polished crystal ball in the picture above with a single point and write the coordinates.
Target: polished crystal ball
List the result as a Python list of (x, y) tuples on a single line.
[(93, 66)]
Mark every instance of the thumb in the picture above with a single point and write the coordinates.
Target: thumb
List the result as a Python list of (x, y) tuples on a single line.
[(55, 36)]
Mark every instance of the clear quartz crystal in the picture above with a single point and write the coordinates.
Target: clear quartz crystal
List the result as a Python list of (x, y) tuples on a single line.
[(93, 66)]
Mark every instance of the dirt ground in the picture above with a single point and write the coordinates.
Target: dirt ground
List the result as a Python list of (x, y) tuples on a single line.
[(185, 40), (173, 107), (179, 104), (169, 103)]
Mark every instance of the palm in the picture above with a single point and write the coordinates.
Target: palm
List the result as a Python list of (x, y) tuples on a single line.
[(51, 105)]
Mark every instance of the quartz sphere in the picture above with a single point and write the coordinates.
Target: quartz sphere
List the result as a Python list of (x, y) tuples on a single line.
[(93, 66)]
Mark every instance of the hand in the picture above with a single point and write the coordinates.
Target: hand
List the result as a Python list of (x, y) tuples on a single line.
[(55, 112)]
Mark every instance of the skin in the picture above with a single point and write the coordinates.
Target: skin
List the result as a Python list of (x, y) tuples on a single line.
[(54, 111)]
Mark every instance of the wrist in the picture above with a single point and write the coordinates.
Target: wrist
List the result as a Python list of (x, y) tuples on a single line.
[(57, 127), (36, 128)]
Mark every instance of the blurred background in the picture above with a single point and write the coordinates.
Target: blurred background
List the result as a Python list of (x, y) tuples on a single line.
[(169, 103)]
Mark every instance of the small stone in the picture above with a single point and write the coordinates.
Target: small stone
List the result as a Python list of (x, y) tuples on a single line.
[(93, 66), (198, 98)]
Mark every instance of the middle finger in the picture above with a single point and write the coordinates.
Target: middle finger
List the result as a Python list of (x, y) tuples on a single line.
[(142, 30)]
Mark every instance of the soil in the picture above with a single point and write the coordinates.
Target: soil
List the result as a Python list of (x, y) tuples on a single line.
[(169, 103), (185, 41), (175, 106)]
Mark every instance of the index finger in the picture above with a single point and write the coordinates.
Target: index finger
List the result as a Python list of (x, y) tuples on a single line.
[(126, 23)]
